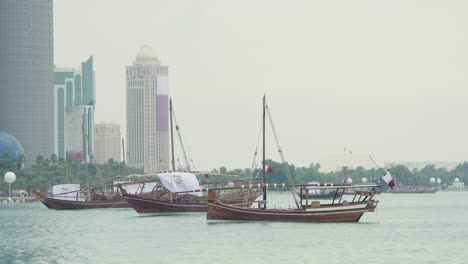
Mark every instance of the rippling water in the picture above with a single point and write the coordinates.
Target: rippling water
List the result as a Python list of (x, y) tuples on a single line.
[(407, 228)]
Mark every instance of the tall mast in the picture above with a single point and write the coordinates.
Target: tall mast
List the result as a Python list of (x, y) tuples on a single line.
[(85, 153), (263, 163), (172, 135)]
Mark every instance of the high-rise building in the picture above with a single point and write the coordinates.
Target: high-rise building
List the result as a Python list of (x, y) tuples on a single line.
[(74, 103), (26, 75), (147, 112), (107, 143)]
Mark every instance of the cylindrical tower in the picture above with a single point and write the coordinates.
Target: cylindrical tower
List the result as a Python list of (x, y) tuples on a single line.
[(26, 75)]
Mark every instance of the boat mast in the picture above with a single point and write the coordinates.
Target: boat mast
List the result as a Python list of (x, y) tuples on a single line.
[(85, 156), (172, 135), (263, 162)]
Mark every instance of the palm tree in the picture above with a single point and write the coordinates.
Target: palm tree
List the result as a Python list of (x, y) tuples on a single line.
[(53, 160), (39, 160)]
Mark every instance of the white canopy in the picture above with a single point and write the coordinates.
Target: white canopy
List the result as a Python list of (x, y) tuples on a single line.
[(66, 191), (180, 182)]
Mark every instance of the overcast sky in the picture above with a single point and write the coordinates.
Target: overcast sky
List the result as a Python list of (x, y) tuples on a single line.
[(386, 78)]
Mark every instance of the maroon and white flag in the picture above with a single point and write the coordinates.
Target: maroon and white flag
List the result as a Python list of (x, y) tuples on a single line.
[(388, 179)]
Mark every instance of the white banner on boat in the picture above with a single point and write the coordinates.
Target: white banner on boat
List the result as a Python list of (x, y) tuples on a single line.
[(180, 182), (66, 192)]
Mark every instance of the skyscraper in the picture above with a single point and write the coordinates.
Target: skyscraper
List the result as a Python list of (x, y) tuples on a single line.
[(26, 75), (147, 112), (107, 143), (74, 97)]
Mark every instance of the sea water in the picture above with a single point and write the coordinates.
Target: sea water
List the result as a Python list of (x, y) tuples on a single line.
[(407, 228)]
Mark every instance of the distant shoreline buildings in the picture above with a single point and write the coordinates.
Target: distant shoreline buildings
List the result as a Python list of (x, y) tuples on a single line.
[(147, 88), (338, 163), (26, 75), (74, 101), (419, 165)]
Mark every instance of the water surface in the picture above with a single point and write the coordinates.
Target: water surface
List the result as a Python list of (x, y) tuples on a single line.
[(407, 228)]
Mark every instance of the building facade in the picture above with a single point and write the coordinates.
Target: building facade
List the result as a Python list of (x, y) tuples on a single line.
[(147, 112), (107, 143), (74, 105), (26, 75)]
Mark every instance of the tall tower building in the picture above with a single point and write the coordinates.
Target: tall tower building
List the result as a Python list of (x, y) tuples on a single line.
[(107, 143), (26, 75), (74, 104), (147, 113)]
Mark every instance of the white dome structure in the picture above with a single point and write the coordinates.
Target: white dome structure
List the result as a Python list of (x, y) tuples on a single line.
[(146, 56)]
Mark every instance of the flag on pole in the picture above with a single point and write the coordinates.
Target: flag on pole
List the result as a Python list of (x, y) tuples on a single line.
[(388, 179)]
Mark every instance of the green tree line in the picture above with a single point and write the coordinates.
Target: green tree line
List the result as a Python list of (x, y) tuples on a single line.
[(46, 172), (400, 173)]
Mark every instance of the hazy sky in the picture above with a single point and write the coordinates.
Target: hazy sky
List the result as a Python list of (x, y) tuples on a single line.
[(387, 78)]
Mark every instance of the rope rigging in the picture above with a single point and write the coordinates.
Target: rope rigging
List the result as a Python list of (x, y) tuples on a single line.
[(286, 169), (180, 140)]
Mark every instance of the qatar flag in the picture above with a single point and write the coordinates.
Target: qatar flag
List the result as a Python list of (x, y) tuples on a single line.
[(269, 169), (388, 179)]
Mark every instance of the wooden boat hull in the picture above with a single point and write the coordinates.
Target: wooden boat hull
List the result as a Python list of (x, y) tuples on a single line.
[(58, 204), (144, 205), (147, 205), (220, 211)]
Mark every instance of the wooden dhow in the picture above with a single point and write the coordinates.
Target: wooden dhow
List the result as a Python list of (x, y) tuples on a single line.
[(334, 212), (80, 199), (115, 201), (310, 210), (179, 196)]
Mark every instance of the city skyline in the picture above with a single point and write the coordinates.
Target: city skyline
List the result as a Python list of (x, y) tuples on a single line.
[(385, 79)]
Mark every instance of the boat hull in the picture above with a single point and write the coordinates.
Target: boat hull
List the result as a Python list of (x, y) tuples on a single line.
[(147, 205), (57, 204), (220, 211)]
